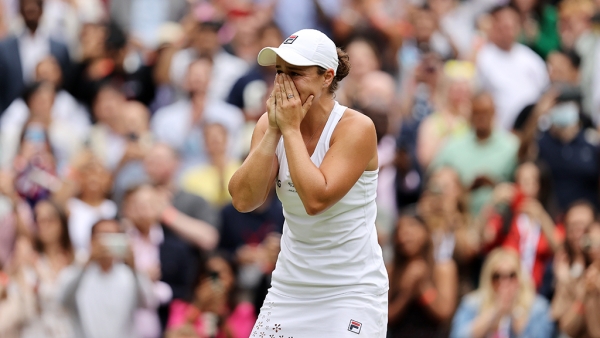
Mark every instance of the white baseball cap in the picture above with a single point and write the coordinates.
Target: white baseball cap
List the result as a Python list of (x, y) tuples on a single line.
[(306, 47)]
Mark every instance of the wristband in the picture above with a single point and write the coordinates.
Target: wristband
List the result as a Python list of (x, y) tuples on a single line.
[(169, 215), (428, 296)]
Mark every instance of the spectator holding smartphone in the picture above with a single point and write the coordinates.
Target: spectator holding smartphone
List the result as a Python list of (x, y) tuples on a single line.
[(212, 310), (105, 293)]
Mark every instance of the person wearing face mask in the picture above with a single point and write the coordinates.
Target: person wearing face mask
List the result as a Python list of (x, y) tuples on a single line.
[(571, 154)]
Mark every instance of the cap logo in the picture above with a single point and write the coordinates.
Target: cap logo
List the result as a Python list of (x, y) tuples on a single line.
[(290, 40)]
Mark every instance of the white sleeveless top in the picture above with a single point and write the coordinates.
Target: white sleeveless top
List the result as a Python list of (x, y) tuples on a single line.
[(336, 251)]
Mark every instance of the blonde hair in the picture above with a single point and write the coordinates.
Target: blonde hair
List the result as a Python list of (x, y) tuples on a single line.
[(526, 293)]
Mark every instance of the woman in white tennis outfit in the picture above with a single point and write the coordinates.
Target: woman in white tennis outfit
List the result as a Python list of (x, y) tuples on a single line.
[(330, 279)]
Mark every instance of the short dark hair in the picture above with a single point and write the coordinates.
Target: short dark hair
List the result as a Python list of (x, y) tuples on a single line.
[(33, 88), (581, 203), (497, 9), (572, 55), (115, 37), (104, 220)]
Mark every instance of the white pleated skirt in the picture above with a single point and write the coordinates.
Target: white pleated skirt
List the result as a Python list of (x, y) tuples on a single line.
[(351, 315)]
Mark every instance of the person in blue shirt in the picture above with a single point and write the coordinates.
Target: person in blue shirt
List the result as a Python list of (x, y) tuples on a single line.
[(505, 305)]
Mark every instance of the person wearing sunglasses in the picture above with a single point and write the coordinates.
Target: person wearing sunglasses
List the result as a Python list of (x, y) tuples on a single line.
[(505, 305)]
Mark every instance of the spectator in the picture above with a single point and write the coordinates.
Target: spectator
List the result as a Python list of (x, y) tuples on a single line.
[(105, 293), (423, 293), (457, 20), (538, 21), (563, 69), (54, 253), (16, 218), (20, 54), (580, 317), (213, 310), (426, 39), (570, 261), (504, 305), (250, 90), (576, 32), (39, 103), (314, 14), (35, 165), (146, 236), (513, 74), (452, 113), (365, 60), (108, 137), (226, 69), (111, 61), (141, 24), (570, 152), (91, 203), (138, 141), (253, 239), (188, 222), (416, 104), (455, 236), (65, 110), (483, 157), (180, 124), (211, 181), (17, 301), (520, 221)]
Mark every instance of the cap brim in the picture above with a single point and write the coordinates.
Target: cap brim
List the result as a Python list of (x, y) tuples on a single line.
[(268, 57)]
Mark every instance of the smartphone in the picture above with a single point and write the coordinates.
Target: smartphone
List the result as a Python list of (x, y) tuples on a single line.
[(116, 243)]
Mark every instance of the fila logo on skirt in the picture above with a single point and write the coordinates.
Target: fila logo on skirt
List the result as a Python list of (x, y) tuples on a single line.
[(354, 326)]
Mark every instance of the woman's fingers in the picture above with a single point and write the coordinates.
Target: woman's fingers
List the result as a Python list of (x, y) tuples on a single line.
[(294, 91), (287, 84), (307, 104), (277, 90)]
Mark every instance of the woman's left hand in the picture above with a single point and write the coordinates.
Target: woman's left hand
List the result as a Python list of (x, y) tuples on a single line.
[(290, 110)]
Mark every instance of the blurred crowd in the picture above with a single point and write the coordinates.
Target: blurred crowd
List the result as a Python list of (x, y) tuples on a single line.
[(122, 122)]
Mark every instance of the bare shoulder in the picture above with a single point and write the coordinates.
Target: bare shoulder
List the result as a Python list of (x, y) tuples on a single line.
[(355, 125)]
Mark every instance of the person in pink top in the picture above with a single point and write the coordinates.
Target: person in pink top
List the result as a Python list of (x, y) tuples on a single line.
[(213, 310)]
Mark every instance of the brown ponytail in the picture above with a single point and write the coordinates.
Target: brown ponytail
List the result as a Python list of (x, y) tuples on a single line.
[(342, 70)]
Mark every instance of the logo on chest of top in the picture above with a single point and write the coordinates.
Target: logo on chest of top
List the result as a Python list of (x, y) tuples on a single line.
[(354, 326), (290, 40)]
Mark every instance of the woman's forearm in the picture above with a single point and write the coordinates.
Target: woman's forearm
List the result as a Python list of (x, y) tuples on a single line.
[(592, 312), (309, 181), (251, 183)]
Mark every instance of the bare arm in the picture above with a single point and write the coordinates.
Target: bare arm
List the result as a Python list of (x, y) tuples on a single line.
[(428, 143), (592, 312), (407, 290), (353, 148), (251, 183), (445, 280), (572, 322), (193, 230)]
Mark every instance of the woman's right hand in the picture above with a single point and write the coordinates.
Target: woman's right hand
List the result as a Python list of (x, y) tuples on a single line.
[(271, 110)]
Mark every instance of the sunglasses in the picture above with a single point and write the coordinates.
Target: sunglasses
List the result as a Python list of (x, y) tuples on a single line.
[(499, 276)]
